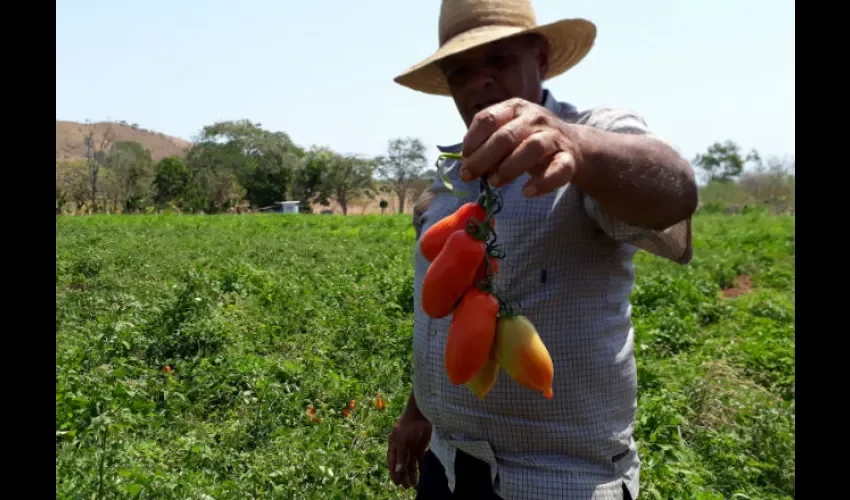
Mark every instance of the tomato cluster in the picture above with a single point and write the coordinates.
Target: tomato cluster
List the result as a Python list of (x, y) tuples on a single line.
[(484, 334)]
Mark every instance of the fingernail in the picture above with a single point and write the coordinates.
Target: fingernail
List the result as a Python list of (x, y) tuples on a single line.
[(529, 190), (495, 180), (465, 175)]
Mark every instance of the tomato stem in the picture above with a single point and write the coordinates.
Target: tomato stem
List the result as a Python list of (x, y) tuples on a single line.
[(477, 230)]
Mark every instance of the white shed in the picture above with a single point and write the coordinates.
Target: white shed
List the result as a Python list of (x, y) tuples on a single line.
[(289, 207), (282, 207)]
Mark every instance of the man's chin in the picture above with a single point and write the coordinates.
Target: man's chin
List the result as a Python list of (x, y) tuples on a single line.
[(484, 105)]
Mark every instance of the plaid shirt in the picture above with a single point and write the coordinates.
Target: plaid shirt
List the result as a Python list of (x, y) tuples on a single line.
[(568, 265)]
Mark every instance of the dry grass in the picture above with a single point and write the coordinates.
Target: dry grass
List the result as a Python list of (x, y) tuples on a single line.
[(70, 137), (741, 285), (372, 206), (723, 393)]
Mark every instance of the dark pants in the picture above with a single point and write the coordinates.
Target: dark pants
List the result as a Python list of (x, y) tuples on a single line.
[(472, 479)]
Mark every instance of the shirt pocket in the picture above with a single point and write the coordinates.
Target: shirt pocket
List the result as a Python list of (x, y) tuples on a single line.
[(527, 270)]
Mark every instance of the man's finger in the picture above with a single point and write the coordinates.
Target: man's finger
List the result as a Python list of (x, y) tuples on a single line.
[(560, 171), (412, 471), (400, 464), (537, 169), (392, 462), (536, 149), (496, 148), (485, 123)]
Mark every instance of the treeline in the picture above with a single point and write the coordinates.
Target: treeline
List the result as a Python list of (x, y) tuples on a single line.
[(238, 163), (734, 181), (235, 163)]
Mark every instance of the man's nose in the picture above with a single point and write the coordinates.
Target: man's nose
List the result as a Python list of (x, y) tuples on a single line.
[(479, 79)]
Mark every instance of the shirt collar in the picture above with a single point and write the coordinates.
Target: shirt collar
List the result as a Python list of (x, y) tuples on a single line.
[(549, 102)]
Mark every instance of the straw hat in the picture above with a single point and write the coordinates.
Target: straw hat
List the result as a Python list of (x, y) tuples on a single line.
[(465, 24)]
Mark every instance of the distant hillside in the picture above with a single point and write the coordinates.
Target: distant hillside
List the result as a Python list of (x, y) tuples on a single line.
[(70, 139)]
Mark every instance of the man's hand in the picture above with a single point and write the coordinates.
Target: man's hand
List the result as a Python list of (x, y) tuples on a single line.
[(640, 180), (516, 136), (408, 441)]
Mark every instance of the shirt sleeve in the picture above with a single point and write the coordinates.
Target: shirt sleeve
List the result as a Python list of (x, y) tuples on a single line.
[(420, 207), (673, 243)]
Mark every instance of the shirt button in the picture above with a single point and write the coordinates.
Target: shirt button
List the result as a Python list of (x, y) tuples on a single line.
[(433, 330)]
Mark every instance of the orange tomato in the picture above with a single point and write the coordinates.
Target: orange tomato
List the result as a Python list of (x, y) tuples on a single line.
[(481, 383), (471, 334), (311, 412), (434, 239), (451, 274), (521, 352)]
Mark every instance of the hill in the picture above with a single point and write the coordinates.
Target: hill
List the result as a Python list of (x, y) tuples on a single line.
[(70, 137)]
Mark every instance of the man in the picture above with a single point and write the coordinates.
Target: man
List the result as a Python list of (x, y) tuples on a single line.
[(582, 191)]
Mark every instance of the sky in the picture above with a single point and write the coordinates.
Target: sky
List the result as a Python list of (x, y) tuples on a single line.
[(698, 71)]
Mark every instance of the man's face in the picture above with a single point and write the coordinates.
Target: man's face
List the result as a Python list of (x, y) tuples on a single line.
[(486, 75)]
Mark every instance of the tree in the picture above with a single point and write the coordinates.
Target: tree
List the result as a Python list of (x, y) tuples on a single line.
[(266, 162), (784, 166), (418, 186), (95, 152), (130, 169), (214, 186), (403, 164), (723, 162), (72, 183), (383, 204), (221, 190), (171, 180), (348, 178), (310, 177), (268, 177), (772, 183)]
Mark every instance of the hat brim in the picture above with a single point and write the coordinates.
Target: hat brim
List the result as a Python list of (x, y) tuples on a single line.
[(569, 42)]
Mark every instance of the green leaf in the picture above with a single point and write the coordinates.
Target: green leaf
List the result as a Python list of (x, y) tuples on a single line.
[(443, 177)]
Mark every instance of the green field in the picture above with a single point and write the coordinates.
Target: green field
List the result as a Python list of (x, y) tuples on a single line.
[(263, 316)]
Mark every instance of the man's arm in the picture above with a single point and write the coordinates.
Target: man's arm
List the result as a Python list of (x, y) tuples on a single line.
[(411, 410), (637, 178), (622, 130), (420, 207), (610, 155)]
